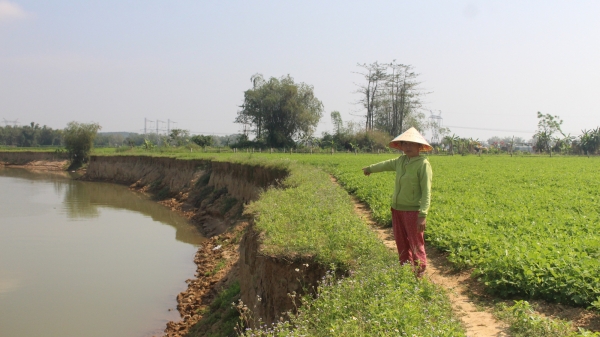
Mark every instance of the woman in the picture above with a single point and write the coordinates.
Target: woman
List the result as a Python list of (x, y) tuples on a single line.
[(411, 198)]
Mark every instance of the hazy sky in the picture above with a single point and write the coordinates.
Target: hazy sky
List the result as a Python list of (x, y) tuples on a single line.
[(489, 65)]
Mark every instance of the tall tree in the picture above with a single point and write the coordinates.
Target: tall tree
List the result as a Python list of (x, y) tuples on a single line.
[(79, 140), (548, 126), (371, 91), (280, 110), (391, 97), (402, 89), (336, 119)]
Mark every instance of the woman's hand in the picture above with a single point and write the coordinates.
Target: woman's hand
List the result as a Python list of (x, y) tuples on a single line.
[(421, 224), (365, 171)]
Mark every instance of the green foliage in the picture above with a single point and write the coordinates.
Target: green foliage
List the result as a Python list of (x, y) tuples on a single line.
[(524, 322), (220, 265), (280, 110), (148, 145), (548, 125), (203, 141), (589, 141), (294, 224), (31, 135), (529, 225), (221, 319), (178, 137), (79, 139)]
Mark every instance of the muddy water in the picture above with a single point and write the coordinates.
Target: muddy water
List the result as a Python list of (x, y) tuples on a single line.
[(87, 259)]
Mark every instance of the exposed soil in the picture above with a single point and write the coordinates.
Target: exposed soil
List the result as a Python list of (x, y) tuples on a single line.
[(41, 165), (468, 297)]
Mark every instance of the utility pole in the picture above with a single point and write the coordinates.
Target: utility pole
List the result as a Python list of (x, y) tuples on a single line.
[(14, 123), (436, 124), (146, 120)]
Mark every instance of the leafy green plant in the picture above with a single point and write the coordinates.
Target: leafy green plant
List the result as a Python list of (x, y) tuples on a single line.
[(220, 318), (524, 322)]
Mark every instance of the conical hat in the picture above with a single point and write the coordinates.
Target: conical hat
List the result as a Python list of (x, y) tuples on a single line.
[(411, 135)]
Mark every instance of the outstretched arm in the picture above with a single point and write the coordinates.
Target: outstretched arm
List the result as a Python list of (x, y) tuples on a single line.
[(388, 165)]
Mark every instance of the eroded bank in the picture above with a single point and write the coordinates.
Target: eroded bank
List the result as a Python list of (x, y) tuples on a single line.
[(212, 194)]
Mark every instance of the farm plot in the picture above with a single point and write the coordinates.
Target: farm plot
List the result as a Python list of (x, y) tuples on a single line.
[(529, 226)]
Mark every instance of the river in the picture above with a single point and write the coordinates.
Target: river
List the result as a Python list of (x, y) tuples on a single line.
[(88, 259)]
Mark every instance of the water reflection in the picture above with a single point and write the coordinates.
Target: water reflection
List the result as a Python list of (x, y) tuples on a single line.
[(95, 255), (84, 200)]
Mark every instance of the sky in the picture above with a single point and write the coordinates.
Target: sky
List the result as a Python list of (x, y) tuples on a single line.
[(489, 66)]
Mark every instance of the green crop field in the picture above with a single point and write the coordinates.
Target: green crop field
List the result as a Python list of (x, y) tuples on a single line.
[(528, 225)]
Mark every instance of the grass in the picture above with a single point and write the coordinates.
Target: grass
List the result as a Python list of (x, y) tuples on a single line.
[(310, 216), (221, 317), (218, 267), (4, 148), (524, 322)]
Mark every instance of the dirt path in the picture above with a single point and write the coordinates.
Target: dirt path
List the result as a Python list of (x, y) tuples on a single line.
[(477, 320)]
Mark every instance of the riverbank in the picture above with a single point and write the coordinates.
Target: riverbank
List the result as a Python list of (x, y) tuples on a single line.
[(43, 161)]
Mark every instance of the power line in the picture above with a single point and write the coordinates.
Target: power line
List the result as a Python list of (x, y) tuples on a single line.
[(484, 129)]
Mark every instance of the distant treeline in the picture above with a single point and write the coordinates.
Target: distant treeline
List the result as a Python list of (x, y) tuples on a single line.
[(30, 136), (33, 135), (177, 137)]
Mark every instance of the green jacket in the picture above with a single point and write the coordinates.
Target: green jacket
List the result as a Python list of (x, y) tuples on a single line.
[(413, 182)]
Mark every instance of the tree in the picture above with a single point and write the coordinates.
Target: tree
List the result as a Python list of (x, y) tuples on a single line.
[(375, 75), (280, 110), (402, 89), (548, 125), (589, 141), (202, 140), (79, 140), (179, 137), (391, 98), (336, 119)]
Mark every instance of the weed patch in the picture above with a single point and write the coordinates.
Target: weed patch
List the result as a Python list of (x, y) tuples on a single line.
[(221, 318), (524, 322)]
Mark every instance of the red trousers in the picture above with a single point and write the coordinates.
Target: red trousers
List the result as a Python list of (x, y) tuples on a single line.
[(409, 241)]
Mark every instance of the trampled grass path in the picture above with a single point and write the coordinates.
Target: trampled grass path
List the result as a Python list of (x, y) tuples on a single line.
[(477, 320)]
